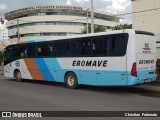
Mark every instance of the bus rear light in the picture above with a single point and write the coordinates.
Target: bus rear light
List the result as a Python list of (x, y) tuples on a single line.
[(145, 81), (134, 70)]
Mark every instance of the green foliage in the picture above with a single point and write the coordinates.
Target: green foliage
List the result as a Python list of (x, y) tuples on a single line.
[(96, 29), (124, 26), (1, 57)]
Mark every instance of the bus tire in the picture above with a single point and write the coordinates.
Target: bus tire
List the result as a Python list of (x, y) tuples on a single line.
[(18, 76), (71, 80)]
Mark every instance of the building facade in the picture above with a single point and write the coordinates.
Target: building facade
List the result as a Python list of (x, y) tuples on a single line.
[(48, 21), (146, 16), (4, 35), (4, 40)]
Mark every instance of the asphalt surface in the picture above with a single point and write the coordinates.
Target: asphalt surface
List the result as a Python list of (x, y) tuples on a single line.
[(48, 96)]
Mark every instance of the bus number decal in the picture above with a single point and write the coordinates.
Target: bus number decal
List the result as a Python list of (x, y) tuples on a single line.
[(17, 63)]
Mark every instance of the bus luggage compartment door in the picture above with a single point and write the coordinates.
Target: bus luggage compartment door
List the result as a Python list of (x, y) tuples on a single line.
[(115, 73), (111, 78)]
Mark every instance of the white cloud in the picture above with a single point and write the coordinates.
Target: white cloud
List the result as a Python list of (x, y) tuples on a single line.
[(120, 5), (78, 1), (3, 6), (107, 0), (116, 6), (112, 6), (68, 2)]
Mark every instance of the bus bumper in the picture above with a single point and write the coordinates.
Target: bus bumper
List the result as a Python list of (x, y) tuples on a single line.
[(140, 80)]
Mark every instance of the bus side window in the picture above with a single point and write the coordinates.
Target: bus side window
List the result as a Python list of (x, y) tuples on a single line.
[(117, 45), (44, 49), (86, 47), (75, 48), (19, 51), (31, 51), (58, 48), (61, 48), (54, 49), (25, 51), (48, 49), (40, 50), (108, 47), (66, 48), (9, 53), (100, 46)]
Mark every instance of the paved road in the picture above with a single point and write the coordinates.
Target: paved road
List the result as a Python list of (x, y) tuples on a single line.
[(46, 96)]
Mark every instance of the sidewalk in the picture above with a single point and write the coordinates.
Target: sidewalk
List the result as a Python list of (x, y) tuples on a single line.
[(155, 86), (1, 70)]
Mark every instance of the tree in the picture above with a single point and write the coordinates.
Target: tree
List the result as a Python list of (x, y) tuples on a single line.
[(96, 29), (1, 57), (124, 26)]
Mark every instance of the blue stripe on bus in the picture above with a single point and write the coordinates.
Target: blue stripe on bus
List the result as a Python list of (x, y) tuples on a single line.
[(52, 63), (39, 40), (30, 41), (44, 69), (55, 69)]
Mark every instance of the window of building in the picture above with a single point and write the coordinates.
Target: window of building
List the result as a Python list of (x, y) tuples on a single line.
[(48, 23)]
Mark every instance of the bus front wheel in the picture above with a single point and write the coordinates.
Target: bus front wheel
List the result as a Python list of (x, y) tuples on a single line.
[(18, 75), (71, 80)]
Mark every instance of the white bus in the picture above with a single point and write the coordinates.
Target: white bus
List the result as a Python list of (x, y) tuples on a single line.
[(116, 58)]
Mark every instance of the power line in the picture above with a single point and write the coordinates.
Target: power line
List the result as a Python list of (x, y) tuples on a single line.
[(137, 12), (149, 15)]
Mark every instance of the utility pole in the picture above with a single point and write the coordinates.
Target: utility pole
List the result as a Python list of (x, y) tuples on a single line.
[(92, 17), (87, 20), (18, 36)]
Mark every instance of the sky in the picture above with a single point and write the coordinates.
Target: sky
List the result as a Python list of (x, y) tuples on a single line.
[(112, 6)]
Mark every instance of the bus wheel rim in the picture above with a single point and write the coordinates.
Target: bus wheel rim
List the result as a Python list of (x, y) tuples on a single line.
[(71, 80), (18, 75)]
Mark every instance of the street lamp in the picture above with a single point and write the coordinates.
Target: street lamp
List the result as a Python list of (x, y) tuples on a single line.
[(87, 20)]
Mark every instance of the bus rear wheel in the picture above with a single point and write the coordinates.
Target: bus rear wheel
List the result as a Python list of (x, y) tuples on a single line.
[(71, 80), (18, 76)]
